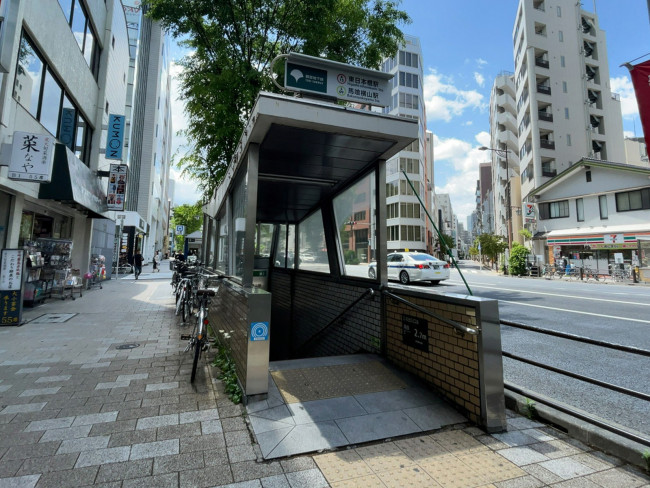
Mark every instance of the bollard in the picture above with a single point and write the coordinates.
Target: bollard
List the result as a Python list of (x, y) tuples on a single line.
[(582, 273), (634, 277)]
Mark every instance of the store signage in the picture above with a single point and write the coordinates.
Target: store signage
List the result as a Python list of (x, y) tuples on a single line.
[(529, 212), (67, 127), (180, 230), (12, 265), (415, 332), (116, 187), (115, 137), (32, 157), (336, 80)]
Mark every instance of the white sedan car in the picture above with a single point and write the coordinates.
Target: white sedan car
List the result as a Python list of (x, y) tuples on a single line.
[(413, 266)]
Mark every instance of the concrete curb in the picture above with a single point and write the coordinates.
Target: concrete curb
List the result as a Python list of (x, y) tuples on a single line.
[(585, 432)]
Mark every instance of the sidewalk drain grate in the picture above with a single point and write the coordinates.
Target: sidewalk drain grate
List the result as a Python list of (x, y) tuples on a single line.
[(130, 345), (53, 318)]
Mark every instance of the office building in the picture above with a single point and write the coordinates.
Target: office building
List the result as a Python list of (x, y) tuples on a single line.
[(407, 224)]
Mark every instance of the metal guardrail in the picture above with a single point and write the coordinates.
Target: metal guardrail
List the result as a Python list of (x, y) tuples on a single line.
[(460, 327), (573, 412)]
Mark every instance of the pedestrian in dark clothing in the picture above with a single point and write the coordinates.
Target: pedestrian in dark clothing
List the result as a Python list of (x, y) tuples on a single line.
[(137, 263)]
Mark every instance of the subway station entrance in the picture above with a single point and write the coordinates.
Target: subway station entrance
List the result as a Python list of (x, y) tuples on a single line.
[(294, 225)]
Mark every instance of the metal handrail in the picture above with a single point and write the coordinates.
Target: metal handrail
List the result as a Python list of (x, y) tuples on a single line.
[(460, 327), (318, 334), (586, 379)]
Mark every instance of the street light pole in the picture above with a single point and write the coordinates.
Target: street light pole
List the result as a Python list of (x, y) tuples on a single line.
[(504, 153)]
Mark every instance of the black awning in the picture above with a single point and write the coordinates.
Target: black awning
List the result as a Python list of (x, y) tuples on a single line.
[(74, 184)]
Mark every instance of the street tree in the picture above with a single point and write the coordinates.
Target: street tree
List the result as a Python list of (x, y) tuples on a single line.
[(517, 260), (232, 45), (191, 216), (491, 245)]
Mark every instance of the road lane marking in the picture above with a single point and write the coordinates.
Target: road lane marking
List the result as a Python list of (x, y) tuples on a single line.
[(577, 311), (474, 285)]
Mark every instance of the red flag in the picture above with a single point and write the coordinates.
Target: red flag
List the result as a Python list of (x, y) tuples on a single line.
[(640, 75)]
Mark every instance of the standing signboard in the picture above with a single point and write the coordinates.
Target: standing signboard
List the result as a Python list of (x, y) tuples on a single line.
[(12, 268), (116, 187), (32, 157)]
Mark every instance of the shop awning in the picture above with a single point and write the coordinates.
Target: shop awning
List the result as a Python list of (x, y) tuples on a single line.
[(74, 184)]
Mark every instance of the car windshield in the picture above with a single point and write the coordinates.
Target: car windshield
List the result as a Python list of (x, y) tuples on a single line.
[(422, 257)]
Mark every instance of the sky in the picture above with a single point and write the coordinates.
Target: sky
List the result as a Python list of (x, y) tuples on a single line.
[(465, 45)]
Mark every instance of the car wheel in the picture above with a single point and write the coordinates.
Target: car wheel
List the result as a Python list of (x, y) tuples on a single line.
[(435, 282), (404, 278), (372, 274)]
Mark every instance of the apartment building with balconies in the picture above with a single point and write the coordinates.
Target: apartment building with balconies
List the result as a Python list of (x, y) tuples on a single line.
[(565, 107)]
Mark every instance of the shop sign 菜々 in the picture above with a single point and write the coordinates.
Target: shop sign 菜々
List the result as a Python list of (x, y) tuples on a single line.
[(12, 265), (32, 157)]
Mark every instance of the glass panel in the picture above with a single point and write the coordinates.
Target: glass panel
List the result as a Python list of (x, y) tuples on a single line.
[(284, 256), (212, 242), (312, 250), (239, 223), (50, 110), (580, 209), (602, 201), (622, 202), (635, 200), (83, 139), (29, 72), (89, 46), (354, 212), (66, 6), (79, 24)]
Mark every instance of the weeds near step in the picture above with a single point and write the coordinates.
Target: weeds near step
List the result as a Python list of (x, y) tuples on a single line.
[(646, 457), (529, 409), (228, 374)]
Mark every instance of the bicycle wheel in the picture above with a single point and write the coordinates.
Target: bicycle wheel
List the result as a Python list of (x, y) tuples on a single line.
[(179, 300), (198, 344), (185, 307)]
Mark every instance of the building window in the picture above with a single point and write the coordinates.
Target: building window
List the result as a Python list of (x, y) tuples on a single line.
[(411, 233), (75, 14), (564, 87), (588, 176), (392, 211), (409, 210), (392, 233), (408, 59), (560, 35), (407, 100), (602, 203), (392, 189), (559, 11), (580, 210), (568, 139), (554, 210), (410, 165), (566, 112), (410, 80), (633, 200), (562, 62)]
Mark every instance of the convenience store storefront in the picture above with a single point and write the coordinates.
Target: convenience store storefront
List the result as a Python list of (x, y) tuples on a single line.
[(597, 250)]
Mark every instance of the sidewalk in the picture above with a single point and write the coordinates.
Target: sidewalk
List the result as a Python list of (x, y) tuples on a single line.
[(78, 409)]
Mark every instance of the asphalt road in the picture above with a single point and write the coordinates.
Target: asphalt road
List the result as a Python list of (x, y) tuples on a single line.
[(613, 312)]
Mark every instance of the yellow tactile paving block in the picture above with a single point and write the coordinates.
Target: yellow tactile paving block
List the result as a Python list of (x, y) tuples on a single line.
[(492, 466), (458, 442), (413, 477), (384, 457), (421, 449), (342, 466), (302, 385), (370, 481), (451, 472)]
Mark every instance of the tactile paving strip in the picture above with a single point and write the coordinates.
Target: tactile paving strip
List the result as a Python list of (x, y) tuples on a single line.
[(303, 385)]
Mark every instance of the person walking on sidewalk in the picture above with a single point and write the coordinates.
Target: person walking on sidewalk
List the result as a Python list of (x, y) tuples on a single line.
[(156, 262), (137, 263)]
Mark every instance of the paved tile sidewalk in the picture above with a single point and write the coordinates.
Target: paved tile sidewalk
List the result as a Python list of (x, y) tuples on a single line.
[(77, 411)]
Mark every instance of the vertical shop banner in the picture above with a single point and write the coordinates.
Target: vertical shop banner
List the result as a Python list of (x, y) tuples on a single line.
[(67, 128), (32, 157), (12, 267), (115, 137), (640, 75), (116, 187), (529, 212)]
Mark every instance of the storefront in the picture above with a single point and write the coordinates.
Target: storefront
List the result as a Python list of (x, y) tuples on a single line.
[(596, 251)]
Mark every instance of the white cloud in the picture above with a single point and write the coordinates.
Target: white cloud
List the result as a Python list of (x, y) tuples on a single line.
[(481, 62), (444, 101), (184, 189), (628, 134), (480, 79), (623, 86), (464, 158)]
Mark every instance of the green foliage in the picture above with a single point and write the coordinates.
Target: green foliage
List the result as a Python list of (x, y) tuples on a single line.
[(529, 409), (517, 261), (491, 245), (228, 374), (351, 257), (191, 216), (232, 45), (473, 251), (646, 457)]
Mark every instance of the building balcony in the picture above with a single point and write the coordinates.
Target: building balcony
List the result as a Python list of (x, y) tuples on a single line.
[(550, 173), (542, 63), (546, 144), (546, 116), (546, 90)]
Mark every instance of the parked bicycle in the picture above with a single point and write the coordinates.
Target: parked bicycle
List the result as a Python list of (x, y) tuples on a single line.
[(198, 340)]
